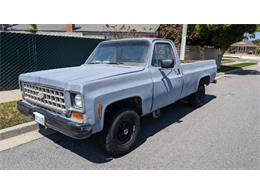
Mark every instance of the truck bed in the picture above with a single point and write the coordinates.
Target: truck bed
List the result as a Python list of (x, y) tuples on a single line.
[(192, 72), (189, 61)]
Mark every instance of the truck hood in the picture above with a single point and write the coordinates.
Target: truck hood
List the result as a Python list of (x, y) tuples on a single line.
[(79, 74)]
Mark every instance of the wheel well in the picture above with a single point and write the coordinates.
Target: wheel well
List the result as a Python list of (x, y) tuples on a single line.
[(205, 80), (134, 103)]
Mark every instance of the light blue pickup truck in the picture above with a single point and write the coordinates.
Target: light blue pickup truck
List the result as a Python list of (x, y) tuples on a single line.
[(121, 81)]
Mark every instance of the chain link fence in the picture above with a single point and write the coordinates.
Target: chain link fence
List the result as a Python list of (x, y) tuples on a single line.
[(27, 52)]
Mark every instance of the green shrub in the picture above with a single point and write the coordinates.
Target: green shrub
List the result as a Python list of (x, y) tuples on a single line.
[(258, 50)]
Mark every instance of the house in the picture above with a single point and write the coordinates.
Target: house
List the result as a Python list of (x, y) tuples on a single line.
[(100, 31), (40, 27), (114, 31), (247, 47)]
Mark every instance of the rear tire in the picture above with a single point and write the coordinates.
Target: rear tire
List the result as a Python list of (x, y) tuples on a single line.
[(122, 132), (197, 99)]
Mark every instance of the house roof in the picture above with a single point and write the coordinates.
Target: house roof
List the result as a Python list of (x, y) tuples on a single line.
[(146, 28), (244, 44), (41, 27)]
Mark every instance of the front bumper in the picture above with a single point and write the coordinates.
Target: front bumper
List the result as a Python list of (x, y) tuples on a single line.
[(56, 122)]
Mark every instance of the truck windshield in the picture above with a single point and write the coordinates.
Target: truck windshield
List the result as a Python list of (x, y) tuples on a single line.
[(132, 52)]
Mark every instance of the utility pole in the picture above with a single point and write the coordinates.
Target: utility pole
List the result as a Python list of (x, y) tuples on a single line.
[(183, 41)]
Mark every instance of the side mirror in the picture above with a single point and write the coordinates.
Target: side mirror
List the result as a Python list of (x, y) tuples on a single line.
[(167, 63)]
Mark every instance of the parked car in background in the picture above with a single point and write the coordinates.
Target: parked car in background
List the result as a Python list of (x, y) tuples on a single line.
[(121, 81)]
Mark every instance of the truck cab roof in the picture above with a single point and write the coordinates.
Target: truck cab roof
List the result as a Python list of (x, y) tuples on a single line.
[(141, 39)]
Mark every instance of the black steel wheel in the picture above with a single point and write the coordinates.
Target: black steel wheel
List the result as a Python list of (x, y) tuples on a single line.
[(41, 127), (201, 93), (122, 132), (197, 99), (125, 131)]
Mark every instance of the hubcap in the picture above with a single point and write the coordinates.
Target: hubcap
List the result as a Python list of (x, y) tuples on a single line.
[(125, 131)]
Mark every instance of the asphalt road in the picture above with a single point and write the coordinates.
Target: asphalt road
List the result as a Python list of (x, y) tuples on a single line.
[(223, 134)]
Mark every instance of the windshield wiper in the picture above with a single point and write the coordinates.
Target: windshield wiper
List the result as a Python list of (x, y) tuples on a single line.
[(105, 62), (94, 63)]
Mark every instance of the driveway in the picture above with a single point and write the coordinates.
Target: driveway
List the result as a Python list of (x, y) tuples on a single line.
[(222, 134)]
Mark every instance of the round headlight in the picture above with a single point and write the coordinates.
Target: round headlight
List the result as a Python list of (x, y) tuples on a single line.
[(78, 101)]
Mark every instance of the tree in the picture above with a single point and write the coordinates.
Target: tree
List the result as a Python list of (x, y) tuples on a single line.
[(258, 50), (114, 31), (257, 42), (33, 28), (171, 31), (220, 36)]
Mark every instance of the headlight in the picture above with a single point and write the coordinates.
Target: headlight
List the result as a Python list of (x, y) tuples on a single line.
[(78, 101)]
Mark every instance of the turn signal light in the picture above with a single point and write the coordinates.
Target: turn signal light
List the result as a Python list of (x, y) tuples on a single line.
[(78, 116), (99, 109)]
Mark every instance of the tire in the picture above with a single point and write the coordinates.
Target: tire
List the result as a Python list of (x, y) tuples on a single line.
[(122, 132), (197, 99), (41, 127)]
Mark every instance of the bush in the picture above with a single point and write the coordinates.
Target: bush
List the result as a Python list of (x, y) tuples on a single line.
[(258, 50)]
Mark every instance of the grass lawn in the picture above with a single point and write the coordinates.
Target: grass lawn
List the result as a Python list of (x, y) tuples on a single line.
[(234, 66), (231, 57), (226, 60), (10, 116)]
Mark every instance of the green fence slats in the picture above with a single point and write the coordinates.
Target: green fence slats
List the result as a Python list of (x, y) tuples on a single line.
[(28, 52)]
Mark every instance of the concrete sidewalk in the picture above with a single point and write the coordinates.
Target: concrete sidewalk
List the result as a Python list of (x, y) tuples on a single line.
[(12, 95)]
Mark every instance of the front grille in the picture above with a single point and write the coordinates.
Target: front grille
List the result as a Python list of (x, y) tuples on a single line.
[(52, 99)]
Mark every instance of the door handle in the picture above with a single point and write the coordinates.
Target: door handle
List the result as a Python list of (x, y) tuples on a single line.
[(178, 71)]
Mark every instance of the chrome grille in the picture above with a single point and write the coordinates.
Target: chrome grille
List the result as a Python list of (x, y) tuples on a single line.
[(53, 99)]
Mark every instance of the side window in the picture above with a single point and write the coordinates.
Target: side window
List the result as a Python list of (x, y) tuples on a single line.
[(162, 51)]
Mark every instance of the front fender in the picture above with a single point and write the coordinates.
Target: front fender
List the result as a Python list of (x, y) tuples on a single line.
[(111, 90)]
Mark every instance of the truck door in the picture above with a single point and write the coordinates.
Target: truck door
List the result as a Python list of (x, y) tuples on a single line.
[(167, 81)]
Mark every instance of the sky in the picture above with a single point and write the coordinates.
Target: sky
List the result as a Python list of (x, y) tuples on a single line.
[(257, 36)]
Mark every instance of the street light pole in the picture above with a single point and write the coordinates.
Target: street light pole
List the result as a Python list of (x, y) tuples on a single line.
[(183, 41)]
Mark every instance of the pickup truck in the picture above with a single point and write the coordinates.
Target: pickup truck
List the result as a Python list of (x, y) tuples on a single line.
[(121, 81)]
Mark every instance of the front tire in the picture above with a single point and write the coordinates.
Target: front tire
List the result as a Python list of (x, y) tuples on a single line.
[(122, 133), (41, 127), (197, 99)]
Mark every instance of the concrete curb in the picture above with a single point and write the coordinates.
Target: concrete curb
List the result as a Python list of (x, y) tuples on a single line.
[(17, 130), (223, 74)]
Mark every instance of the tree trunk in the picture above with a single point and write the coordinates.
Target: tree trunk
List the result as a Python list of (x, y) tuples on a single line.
[(220, 56)]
